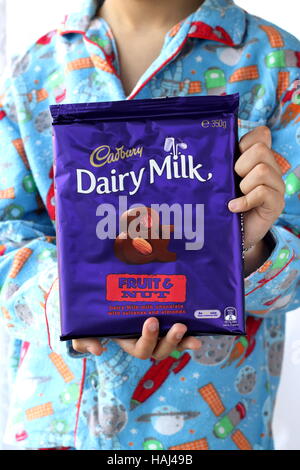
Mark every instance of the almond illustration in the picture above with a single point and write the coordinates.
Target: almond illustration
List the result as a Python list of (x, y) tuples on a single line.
[(142, 246)]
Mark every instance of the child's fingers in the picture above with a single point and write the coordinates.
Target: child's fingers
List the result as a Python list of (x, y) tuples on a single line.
[(190, 342), (87, 345), (260, 134), (170, 341), (144, 346)]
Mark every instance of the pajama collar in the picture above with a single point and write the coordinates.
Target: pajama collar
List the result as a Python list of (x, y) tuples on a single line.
[(216, 20)]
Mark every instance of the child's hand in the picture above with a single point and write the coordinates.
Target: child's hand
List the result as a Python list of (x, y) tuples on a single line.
[(263, 189), (148, 345)]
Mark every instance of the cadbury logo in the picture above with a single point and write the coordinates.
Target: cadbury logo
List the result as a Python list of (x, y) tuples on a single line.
[(104, 155), (174, 165)]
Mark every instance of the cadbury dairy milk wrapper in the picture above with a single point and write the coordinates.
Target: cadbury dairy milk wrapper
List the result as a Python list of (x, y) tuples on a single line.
[(143, 226)]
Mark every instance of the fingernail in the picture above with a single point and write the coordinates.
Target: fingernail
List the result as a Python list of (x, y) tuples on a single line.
[(153, 327), (233, 205)]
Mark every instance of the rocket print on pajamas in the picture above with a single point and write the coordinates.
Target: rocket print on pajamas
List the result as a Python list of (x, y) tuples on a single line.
[(156, 375), (200, 444)]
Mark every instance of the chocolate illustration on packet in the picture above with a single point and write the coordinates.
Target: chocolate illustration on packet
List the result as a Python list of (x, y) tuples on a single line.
[(143, 248), (143, 226)]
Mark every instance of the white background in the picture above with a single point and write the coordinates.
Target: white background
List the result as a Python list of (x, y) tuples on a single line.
[(34, 17), (29, 19)]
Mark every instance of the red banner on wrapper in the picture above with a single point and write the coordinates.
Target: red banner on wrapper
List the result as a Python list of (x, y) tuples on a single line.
[(144, 288)]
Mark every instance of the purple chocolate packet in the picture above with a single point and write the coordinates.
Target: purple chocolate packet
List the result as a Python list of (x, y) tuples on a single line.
[(143, 226)]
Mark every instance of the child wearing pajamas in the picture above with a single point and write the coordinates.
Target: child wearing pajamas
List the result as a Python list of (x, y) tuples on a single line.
[(214, 392)]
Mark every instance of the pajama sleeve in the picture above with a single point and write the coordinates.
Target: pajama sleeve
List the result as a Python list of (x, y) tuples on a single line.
[(28, 263), (274, 287)]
